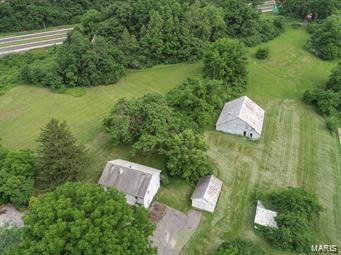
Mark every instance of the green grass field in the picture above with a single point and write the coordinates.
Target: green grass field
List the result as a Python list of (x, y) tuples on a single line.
[(295, 149)]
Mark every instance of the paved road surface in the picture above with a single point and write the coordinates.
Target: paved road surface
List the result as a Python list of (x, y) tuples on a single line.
[(34, 36), (30, 46)]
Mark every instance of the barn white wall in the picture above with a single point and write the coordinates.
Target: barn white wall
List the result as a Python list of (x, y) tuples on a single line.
[(152, 190), (238, 127), (202, 204)]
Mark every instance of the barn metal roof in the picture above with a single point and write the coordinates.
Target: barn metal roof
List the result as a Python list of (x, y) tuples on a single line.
[(265, 217), (208, 188), (128, 177), (246, 110)]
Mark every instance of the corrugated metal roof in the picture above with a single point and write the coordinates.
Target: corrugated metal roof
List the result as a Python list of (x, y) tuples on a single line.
[(128, 177), (208, 188), (245, 109), (265, 217)]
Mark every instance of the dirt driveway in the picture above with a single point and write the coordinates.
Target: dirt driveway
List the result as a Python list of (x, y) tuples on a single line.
[(174, 228)]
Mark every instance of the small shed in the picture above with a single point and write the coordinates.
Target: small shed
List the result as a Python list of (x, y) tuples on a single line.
[(206, 193), (138, 182), (9, 217), (265, 217), (242, 117), (339, 134)]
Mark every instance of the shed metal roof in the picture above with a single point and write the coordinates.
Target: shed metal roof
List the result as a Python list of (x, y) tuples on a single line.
[(246, 110), (208, 188), (128, 177), (265, 217)]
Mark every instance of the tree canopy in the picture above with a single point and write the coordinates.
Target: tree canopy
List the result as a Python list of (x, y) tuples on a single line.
[(16, 176), (226, 60), (59, 157), (297, 209), (79, 218), (325, 41)]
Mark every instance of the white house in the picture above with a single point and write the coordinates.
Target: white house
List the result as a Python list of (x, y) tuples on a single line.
[(138, 182), (265, 217), (206, 193), (243, 117)]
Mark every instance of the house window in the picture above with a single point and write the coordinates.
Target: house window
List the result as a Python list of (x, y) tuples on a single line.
[(251, 135), (244, 133)]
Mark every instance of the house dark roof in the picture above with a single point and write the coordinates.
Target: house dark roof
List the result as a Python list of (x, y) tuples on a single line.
[(130, 178)]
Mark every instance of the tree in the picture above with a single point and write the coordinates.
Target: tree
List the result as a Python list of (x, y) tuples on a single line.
[(186, 156), (297, 209), (325, 41), (199, 100), (239, 247), (59, 158), (298, 8), (9, 239), (79, 218), (334, 81), (226, 60), (16, 177)]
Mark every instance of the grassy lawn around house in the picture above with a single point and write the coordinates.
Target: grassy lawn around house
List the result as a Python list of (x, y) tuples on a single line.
[(295, 148)]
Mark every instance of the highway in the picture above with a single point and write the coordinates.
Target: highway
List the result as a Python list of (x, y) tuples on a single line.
[(27, 42)]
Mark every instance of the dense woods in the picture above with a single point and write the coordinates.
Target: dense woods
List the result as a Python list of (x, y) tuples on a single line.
[(19, 15), (136, 34)]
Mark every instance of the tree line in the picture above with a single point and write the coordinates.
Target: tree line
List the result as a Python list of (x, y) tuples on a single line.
[(137, 34)]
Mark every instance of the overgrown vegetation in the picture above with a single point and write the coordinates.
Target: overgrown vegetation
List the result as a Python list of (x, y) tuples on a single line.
[(16, 177), (136, 34), (81, 218), (325, 41), (9, 239), (239, 247), (297, 210), (328, 100), (20, 15), (320, 9), (59, 158)]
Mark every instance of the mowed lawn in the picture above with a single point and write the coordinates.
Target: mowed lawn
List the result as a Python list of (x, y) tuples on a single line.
[(295, 149)]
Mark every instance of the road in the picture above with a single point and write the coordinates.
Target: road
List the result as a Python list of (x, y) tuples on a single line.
[(27, 42)]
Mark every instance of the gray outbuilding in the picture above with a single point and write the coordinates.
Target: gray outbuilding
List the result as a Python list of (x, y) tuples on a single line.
[(206, 193), (138, 182), (265, 217), (242, 117)]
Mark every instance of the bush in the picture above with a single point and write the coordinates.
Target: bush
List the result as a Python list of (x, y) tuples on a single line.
[(262, 53), (297, 209), (334, 122), (239, 247)]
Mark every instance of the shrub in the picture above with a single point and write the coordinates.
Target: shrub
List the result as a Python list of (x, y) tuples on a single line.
[(239, 247), (262, 53)]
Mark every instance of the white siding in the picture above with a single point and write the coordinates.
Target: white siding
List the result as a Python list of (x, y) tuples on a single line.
[(238, 127), (202, 204), (152, 190)]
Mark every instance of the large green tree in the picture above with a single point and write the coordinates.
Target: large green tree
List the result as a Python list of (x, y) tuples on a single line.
[(79, 218), (9, 239), (16, 177), (186, 156), (59, 157), (226, 60), (325, 41)]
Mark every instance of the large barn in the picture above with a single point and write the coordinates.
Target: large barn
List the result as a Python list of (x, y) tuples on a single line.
[(242, 117), (138, 182), (206, 193)]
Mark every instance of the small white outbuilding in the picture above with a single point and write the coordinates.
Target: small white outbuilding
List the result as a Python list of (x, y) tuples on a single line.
[(265, 217), (138, 182), (243, 117), (206, 193)]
